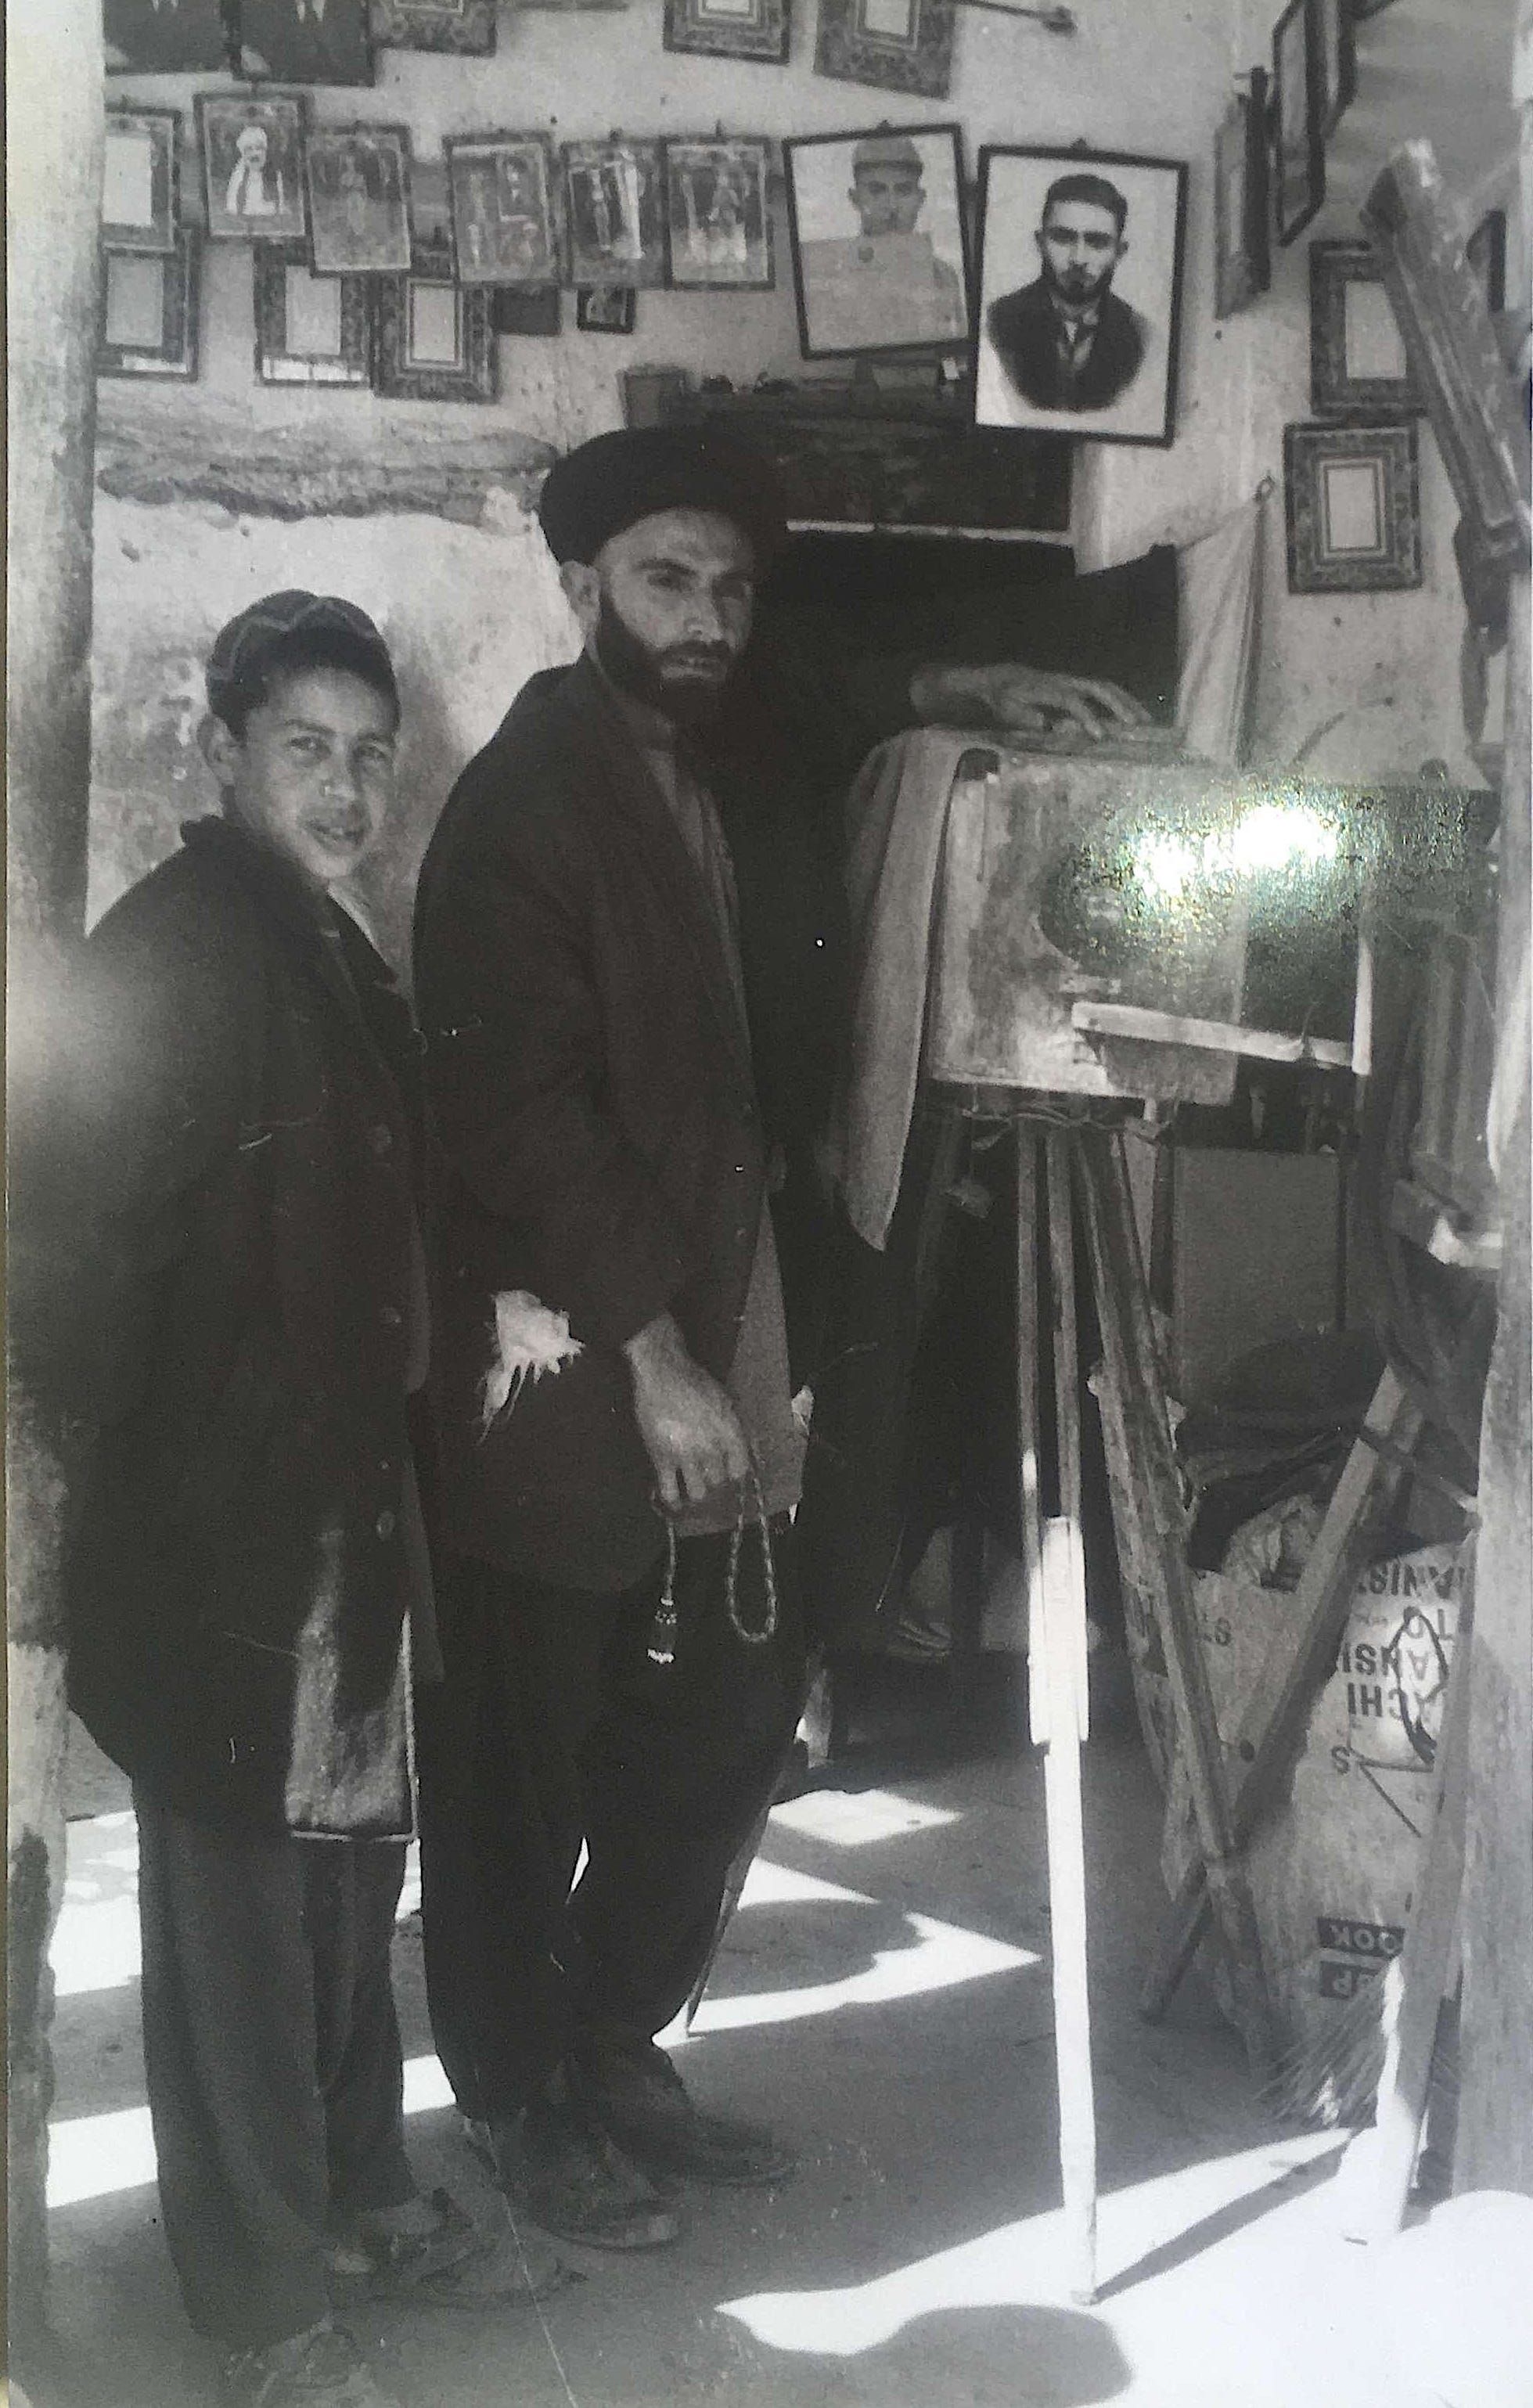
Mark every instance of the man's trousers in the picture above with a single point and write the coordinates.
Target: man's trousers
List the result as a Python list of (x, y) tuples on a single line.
[(272, 2053), (553, 1727)]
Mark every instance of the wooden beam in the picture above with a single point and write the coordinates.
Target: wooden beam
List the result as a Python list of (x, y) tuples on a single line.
[(1207, 1036)]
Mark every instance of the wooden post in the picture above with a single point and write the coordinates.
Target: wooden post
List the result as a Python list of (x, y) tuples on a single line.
[(53, 108)]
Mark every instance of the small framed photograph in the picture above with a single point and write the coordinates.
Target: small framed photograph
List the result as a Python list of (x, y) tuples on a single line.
[(1353, 508), (309, 329), (435, 341), (1339, 61), (306, 41), (252, 165), (1486, 253), (1080, 264), (148, 312), (718, 213), (1298, 118), (147, 37), (467, 27), (729, 29), (896, 45), (879, 244), (1357, 358), (141, 185), (606, 308), (358, 198), (1243, 266), (525, 309), (614, 213), (505, 225)]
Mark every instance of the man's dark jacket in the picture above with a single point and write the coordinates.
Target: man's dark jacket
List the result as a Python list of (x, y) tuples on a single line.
[(1025, 328), (242, 1154), (605, 1134)]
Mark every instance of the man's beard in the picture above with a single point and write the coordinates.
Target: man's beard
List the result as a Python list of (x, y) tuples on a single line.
[(639, 670), (1080, 290)]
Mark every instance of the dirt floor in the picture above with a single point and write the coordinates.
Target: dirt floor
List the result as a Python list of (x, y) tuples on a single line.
[(884, 2000)]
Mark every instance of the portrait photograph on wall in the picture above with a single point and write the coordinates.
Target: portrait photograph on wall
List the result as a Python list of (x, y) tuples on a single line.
[(729, 29), (306, 41), (467, 27), (896, 45), (505, 229), (252, 165), (614, 213), (606, 308), (141, 186), (164, 36), (359, 198), (1081, 264), (718, 214), (881, 256)]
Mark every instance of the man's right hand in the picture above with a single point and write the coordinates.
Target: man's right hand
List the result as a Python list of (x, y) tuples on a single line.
[(691, 1431)]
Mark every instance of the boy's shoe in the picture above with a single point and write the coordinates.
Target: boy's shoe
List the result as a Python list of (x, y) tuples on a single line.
[(322, 2368), (565, 2172)]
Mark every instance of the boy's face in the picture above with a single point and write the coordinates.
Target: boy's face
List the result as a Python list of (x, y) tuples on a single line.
[(887, 199), (312, 777)]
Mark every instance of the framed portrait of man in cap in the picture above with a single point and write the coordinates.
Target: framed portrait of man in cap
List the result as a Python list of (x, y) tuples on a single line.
[(881, 254), (253, 163), (1081, 257)]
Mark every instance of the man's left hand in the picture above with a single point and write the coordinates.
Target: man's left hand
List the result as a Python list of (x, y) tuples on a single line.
[(1011, 695)]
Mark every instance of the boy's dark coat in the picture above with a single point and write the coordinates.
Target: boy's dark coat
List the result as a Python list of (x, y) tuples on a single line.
[(244, 1156)]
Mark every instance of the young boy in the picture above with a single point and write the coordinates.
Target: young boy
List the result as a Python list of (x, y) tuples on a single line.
[(250, 1322)]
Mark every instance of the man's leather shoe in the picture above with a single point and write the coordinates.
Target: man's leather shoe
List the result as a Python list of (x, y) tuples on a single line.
[(561, 2168), (631, 2089)]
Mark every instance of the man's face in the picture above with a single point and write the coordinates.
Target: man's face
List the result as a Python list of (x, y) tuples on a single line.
[(252, 145), (887, 199), (668, 604), (1080, 245), (312, 777)]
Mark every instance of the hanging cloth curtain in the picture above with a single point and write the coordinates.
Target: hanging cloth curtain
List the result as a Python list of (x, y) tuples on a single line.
[(1219, 585)]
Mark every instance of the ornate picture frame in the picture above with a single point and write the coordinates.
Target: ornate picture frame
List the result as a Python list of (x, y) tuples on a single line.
[(251, 145), (1357, 357), (358, 178), (434, 341), (466, 28), (505, 209), (614, 209), (309, 329), (895, 45), (719, 213), (1353, 507), (730, 29), (141, 187), (148, 324)]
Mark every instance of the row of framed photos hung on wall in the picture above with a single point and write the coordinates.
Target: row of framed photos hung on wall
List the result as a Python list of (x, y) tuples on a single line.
[(1070, 316), (893, 45)]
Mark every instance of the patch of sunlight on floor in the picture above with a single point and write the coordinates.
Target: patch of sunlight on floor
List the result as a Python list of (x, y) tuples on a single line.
[(1018, 2265), (89, 2156), (856, 1818)]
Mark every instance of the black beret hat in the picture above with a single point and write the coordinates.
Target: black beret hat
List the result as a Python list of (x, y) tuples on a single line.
[(242, 650), (616, 480)]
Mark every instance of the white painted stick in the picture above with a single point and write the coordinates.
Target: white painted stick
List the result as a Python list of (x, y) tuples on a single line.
[(1058, 1664)]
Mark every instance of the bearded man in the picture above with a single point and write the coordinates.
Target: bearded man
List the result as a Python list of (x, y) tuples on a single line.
[(1067, 341)]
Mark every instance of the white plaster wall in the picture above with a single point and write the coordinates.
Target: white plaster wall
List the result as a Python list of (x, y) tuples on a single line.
[(471, 612)]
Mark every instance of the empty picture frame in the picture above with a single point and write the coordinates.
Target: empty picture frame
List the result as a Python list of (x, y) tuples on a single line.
[(1358, 356), (1353, 508), (148, 312), (614, 213), (252, 165), (1241, 204), (1298, 118), (309, 329), (358, 198), (467, 27), (434, 341), (140, 184), (719, 213), (505, 222), (729, 29), (895, 45)]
